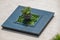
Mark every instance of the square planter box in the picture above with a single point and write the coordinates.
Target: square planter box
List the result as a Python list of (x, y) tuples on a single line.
[(45, 17)]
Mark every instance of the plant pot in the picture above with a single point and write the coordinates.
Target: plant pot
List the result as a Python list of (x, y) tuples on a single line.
[(27, 17)]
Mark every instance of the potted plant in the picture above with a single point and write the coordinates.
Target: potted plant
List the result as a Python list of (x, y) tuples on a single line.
[(26, 12), (27, 18)]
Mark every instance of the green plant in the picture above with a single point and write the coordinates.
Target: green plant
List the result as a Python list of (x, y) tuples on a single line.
[(26, 11), (27, 17), (57, 37)]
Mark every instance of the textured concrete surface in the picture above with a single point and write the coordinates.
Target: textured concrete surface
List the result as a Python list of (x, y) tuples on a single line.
[(8, 6)]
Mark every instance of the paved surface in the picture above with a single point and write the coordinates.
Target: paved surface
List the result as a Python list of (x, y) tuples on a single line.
[(8, 6)]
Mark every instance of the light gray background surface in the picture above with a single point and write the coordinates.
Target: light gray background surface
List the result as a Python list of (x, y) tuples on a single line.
[(8, 6)]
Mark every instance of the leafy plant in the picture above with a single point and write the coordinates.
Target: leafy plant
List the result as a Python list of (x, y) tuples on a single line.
[(57, 37), (26, 10), (27, 18)]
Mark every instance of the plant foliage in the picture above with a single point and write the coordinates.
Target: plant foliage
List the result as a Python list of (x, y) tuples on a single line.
[(57, 37)]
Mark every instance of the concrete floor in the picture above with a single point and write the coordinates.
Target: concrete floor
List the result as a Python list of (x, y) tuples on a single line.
[(8, 6)]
